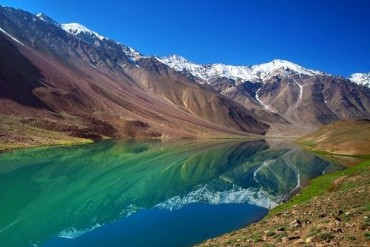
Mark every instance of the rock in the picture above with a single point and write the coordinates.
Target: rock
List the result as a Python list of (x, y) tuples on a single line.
[(293, 237), (295, 223), (350, 225), (322, 215), (299, 241), (307, 222), (338, 218), (284, 239), (337, 230)]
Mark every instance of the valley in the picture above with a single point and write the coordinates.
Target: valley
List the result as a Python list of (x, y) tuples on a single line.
[(66, 78), (101, 144)]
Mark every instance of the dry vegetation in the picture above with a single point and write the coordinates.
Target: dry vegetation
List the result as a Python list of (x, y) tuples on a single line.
[(15, 134), (343, 137)]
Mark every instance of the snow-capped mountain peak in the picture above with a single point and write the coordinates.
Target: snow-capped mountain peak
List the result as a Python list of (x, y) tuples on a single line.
[(266, 69), (93, 37), (47, 19), (178, 63), (176, 58), (76, 29), (255, 73), (181, 64), (361, 79)]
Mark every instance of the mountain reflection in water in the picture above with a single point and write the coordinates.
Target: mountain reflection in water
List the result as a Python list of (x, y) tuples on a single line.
[(64, 192)]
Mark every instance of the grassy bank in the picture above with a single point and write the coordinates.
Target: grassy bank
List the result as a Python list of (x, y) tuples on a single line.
[(321, 185), (333, 210)]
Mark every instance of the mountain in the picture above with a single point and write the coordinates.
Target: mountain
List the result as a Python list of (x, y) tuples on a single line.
[(301, 96), (208, 73), (66, 78), (361, 79), (47, 19)]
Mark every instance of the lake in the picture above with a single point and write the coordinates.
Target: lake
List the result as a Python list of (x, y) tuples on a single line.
[(154, 193)]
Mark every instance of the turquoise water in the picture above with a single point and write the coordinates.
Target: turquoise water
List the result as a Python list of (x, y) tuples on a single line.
[(128, 193)]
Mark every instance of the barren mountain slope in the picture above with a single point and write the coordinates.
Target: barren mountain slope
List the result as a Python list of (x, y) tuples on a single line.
[(93, 88)]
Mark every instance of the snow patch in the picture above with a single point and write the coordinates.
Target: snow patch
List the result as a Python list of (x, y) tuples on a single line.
[(47, 19), (264, 70), (92, 65), (300, 91), (132, 54), (76, 28), (256, 73), (2, 30), (266, 107), (361, 79)]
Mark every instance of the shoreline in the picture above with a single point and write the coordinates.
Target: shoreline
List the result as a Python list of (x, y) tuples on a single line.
[(6, 147), (284, 226)]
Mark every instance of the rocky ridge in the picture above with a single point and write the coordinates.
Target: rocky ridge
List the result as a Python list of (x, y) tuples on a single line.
[(70, 70), (283, 89), (70, 75)]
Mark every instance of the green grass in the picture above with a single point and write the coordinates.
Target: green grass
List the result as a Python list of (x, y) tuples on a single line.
[(56, 142), (320, 185), (7, 146), (308, 144), (256, 238), (313, 231), (325, 236)]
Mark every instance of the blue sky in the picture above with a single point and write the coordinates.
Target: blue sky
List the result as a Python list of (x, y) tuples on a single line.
[(329, 35)]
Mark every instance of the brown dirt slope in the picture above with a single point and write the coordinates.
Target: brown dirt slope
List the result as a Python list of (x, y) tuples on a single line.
[(56, 82), (23, 132), (342, 137)]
